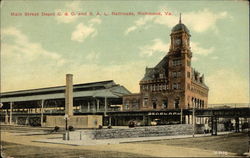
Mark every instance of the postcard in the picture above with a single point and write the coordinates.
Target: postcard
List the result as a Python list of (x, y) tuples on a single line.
[(124, 78)]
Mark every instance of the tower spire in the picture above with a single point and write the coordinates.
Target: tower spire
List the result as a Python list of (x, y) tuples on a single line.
[(180, 19)]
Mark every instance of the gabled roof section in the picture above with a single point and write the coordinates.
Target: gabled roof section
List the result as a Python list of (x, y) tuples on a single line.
[(162, 63), (198, 78), (51, 89), (151, 72)]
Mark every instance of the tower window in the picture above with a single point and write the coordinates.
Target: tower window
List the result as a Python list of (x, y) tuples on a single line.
[(178, 85), (188, 74), (174, 74), (175, 86), (178, 74), (188, 63), (176, 62)]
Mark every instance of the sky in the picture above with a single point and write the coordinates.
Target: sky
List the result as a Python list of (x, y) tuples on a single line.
[(38, 51)]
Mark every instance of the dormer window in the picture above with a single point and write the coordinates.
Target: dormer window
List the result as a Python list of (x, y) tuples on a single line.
[(161, 75)]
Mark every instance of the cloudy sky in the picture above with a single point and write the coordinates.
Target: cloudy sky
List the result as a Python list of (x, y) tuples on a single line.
[(37, 51)]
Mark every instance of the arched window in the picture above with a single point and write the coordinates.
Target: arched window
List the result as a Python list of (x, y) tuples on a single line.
[(154, 103), (177, 103), (145, 101), (165, 103)]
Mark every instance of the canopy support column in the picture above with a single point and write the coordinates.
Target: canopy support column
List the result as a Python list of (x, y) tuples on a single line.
[(10, 121), (42, 111), (98, 105)]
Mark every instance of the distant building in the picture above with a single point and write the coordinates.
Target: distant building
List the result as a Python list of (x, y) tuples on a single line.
[(172, 83)]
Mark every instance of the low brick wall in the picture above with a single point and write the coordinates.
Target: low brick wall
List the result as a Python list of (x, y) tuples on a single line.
[(148, 131)]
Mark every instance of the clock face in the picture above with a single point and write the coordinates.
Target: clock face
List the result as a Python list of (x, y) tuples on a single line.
[(178, 41)]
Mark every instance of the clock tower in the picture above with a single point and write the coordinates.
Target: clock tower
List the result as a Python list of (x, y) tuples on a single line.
[(179, 65), (172, 83)]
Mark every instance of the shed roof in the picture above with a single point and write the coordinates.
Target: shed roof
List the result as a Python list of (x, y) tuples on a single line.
[(107, 89)]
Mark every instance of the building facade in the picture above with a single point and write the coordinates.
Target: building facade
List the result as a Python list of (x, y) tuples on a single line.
[(172, 83)]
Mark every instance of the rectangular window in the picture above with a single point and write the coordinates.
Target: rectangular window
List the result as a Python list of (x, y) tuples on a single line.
[(175, 86), (174, 74), (178, 74), (188, 63), (188, 74), (176, 62)]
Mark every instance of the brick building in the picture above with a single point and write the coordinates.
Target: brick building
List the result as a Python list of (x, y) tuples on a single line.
[(172, 83)]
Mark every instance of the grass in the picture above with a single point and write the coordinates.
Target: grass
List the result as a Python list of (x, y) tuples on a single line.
[(26, 151), (235, 143)]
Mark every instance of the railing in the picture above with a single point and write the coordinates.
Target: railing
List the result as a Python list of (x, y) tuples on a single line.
[(229, 105), (60, 111), (97, 110), (54, 111)]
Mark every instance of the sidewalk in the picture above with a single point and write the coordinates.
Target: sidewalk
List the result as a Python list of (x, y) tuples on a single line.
[(119, 140)]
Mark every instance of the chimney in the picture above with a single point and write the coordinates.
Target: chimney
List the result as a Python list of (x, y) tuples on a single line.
[(69, 95)]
